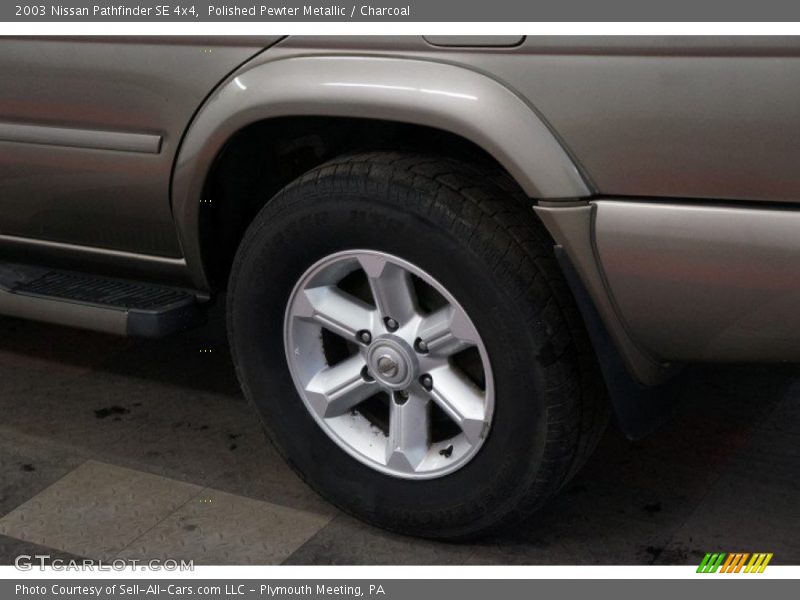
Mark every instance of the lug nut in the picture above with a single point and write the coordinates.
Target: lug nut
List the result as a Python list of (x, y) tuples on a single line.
[(427, 382), (401, 397), (364, 336), (421, 346), (391, 324)]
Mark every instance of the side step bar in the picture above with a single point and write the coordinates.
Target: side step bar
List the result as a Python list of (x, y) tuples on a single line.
[(98, 303)]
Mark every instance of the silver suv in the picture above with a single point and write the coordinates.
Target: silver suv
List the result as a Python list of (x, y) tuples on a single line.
[(446, 260)]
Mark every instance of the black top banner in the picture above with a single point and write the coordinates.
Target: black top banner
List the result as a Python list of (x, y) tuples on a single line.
[(462, 11)]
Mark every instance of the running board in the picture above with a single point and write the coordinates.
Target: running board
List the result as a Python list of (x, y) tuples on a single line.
[(102, 304)]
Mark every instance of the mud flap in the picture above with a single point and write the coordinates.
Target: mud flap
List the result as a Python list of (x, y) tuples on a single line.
[(639, 409)]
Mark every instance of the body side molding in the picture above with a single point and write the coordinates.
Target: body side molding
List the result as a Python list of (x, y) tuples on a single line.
[(439, 95), (119, 141)]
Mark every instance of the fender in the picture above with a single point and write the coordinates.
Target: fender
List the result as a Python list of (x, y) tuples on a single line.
[(440, 95)]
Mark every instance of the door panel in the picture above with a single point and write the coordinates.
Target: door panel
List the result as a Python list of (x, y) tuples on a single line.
[(106, 93)]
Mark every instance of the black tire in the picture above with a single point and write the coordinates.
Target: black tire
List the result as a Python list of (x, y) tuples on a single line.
[(473, 230)]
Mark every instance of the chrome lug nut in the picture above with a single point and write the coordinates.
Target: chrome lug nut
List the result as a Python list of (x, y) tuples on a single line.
[(421, 346), (391, 324), (365, 336), (401, 397), (427, 382)]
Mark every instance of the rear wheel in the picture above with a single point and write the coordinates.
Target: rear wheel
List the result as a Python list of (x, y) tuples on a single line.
[(401, 326)]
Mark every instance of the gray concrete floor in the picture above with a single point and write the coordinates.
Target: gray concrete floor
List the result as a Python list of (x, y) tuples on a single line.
[(112, 447)]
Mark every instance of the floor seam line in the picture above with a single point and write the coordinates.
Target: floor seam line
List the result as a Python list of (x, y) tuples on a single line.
[(159, 522)]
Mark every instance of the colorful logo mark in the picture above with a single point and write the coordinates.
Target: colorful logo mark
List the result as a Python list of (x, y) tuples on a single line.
[(734, 562)]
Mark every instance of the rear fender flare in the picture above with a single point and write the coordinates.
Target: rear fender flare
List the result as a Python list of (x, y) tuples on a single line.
[(444, 96)]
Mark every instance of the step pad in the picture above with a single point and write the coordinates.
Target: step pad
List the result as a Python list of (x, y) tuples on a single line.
[(118, 306), (101, 291)]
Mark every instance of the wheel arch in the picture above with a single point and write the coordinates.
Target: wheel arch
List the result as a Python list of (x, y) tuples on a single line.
[(465, 104)]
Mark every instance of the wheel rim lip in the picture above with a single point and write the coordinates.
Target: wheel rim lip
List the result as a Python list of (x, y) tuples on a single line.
[(289, 343)]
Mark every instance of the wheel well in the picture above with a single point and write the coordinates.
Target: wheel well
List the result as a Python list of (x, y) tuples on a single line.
[(264, 157)]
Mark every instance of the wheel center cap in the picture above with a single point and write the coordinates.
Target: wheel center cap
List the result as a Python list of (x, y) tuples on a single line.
[(387, 366), (390, 363)]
